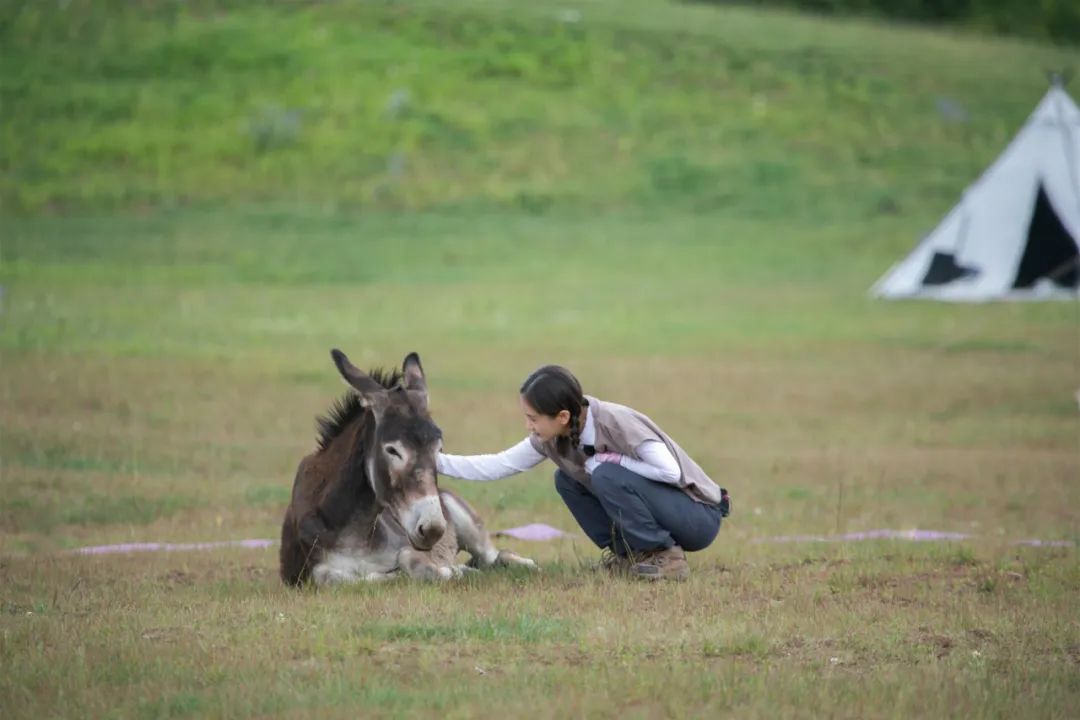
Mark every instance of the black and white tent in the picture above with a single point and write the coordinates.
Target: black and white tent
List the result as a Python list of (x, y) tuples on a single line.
[(1015, 234)]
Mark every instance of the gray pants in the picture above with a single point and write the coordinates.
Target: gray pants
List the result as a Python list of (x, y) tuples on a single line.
[(624, 511)]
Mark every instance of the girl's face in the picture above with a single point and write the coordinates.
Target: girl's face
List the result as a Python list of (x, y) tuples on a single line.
[(545, 427)]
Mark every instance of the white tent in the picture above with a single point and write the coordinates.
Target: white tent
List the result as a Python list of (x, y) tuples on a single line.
[(1015, 234)]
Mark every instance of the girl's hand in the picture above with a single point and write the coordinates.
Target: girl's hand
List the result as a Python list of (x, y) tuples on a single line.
[(595, 460)]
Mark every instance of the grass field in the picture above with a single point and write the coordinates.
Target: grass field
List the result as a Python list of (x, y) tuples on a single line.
[(169, 301)]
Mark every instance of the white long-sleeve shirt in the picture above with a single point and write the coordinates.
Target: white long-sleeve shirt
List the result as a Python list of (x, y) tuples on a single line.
[(654, 461)]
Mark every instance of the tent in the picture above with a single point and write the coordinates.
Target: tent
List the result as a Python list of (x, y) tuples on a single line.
[(1015, 234)]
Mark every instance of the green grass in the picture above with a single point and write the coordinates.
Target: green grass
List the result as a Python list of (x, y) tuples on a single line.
[(486, 104), (686, 206)]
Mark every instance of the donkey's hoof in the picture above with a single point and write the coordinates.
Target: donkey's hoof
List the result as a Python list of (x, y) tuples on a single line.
[(462, 570), (510, 559)]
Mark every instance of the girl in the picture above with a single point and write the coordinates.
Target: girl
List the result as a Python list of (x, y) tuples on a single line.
[(630, 487)]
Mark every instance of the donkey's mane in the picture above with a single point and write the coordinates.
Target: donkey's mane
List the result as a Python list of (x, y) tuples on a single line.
[(348, 407)]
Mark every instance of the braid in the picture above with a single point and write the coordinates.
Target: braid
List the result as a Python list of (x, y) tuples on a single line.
[(575, 430)]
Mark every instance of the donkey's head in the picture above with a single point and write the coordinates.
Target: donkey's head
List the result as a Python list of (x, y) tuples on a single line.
[(400, 460)]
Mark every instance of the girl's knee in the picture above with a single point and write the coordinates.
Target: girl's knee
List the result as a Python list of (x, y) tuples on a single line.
[(703, 538)]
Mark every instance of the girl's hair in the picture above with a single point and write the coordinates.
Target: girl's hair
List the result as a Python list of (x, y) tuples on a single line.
[(552, 389)]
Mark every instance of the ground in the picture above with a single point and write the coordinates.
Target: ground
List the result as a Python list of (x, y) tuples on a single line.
[(165, 353)]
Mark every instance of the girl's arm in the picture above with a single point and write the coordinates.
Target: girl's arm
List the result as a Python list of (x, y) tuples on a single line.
[(656, 462), (511, 461)]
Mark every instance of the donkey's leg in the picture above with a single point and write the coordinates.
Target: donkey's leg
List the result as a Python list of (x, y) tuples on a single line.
[(325, 574), (471, 535), (506, 558), (334, 576), (474, 539), (338, 568), (420, 565)]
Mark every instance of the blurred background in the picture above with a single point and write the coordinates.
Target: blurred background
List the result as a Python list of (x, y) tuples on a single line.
[(685, 203), (522, 107)]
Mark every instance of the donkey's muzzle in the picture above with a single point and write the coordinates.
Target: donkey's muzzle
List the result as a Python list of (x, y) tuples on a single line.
[(426, 523), (427, 535)]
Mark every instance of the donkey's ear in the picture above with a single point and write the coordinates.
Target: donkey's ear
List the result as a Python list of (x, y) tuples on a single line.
[(415, 384), (370, 391), (414, 373)]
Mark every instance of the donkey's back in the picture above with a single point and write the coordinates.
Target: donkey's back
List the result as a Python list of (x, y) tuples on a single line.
[(302, 531)]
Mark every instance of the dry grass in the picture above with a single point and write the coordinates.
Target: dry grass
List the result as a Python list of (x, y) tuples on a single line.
[(892, 631), (888, 416)]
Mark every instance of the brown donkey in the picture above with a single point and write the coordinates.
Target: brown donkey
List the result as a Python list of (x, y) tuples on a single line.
[(366, 504)]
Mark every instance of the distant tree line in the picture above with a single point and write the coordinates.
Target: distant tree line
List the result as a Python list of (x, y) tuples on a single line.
[(1054, 20)]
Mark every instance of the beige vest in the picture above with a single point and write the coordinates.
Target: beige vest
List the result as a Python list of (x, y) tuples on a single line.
[(620, 429)]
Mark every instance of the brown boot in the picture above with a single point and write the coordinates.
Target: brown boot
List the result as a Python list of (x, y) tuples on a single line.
[(663, 564)]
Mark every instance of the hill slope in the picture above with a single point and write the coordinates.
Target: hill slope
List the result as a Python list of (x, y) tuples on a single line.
[(412, 104)]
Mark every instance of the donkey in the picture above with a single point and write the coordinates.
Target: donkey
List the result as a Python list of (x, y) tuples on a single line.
[(366, 505)]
